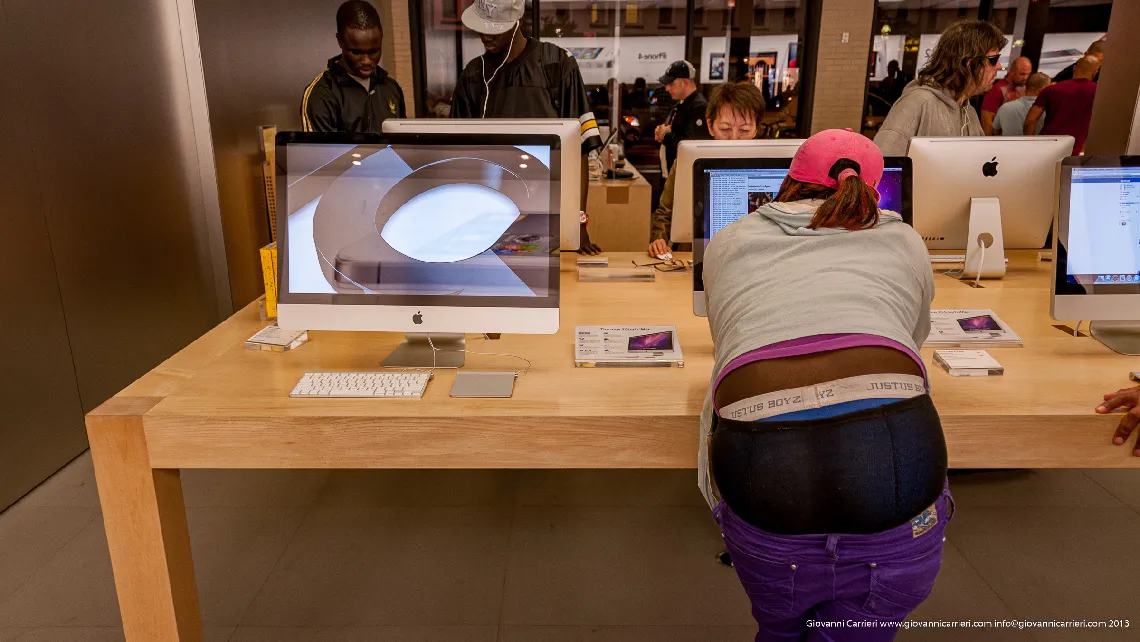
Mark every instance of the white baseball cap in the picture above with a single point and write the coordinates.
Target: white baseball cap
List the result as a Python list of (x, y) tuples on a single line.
[(493, 17)]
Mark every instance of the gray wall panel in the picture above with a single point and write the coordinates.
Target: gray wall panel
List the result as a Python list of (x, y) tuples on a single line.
[(106, 95), (41, 422), (258, 55)]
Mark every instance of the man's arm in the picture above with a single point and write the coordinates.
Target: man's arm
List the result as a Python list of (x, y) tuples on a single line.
[(988, 122), (991, 103), (461, 102), (1030, 127), (319, 110), (661, 222)]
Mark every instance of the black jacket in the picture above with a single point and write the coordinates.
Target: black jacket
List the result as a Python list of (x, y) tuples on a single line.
[(543, 82), (688, 122), (336, 102), (1067, 74)]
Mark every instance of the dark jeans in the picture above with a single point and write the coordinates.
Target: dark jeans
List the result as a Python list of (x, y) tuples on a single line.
[(863, 472)]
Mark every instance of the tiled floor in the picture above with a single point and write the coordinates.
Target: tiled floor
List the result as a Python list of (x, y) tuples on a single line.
[(540, 556)]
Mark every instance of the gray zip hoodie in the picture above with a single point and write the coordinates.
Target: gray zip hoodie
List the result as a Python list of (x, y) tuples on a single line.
[(925, 111), (769, 278)]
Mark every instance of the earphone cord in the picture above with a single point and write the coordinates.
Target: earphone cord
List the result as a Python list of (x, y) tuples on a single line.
[(483, 71)]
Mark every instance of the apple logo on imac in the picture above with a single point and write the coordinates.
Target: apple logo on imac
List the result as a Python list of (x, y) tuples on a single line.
[(989, 169), (417, 318)]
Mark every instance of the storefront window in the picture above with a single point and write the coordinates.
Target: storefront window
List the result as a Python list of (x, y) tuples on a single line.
[(626, 45), (906, 31)]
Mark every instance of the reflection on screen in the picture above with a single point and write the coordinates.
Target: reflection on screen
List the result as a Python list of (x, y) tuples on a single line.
[(1104, 225), (736, 192), (427, 220)]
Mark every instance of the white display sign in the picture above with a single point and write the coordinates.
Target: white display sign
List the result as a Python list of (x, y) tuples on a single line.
[(886, 49), (927, 41), (1058, 50), (627, 58)]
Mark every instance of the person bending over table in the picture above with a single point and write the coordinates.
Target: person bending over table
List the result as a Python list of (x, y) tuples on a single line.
[(827, 457), (734, 112)]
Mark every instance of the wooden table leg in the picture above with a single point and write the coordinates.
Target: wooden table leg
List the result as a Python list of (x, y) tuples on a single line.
[(145, 518)]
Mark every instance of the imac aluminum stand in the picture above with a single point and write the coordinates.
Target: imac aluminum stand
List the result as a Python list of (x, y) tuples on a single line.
[(417, 352), (1122, 337), (985, 247)]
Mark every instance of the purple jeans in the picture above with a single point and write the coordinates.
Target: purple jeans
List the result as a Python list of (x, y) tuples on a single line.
[(837, 587)]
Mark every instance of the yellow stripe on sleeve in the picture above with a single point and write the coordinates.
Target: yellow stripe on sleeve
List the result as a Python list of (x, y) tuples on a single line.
[(306, 124)]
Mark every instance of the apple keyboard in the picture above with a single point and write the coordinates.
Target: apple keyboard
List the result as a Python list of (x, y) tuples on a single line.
[(947, 258), (405, 385)]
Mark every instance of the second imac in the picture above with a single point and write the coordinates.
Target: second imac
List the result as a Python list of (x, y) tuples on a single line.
[(568, 130), (1002, 190), (689, 151)]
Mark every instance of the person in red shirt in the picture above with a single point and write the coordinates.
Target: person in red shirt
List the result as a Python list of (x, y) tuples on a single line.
[(1067, 105), (1004, 91)]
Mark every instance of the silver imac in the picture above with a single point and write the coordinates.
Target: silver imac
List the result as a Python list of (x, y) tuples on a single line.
[(730, 188), (569, 130), (1019, 171), (1096, 251), (426, 234), (691, 150)]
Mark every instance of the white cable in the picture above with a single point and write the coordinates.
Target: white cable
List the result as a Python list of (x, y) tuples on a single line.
[(981, 262), (485, 354), (483, 71)]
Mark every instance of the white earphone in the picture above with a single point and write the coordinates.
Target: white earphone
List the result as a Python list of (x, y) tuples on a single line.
[(483, 71)]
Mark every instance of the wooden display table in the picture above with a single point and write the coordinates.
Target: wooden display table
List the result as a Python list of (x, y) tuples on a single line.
[(216, 404)]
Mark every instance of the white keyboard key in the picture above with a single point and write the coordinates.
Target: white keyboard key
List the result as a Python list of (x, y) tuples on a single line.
[(362, 384)]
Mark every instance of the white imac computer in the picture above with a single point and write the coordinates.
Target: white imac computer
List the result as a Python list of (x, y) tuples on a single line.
[(691, 150), (730, 188), (1002, 189), (568, 130), (427, 234), (1096, 250)]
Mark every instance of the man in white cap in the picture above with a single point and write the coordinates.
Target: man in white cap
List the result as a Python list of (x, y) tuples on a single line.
[(522, 78)]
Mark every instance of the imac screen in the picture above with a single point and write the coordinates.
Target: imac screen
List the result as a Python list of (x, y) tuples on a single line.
[(1103, 242), (395, 223), (736, 192)]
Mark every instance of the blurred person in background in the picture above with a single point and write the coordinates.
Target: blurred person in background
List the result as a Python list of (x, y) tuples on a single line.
[(1005, 90), (963, 64), (687, 120), (1067, 105), (1010, 118)]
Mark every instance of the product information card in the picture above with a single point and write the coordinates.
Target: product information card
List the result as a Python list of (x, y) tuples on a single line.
[(613, 345)]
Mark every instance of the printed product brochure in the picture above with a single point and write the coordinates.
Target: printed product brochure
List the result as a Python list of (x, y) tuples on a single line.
[(969, 329), (651, 345)]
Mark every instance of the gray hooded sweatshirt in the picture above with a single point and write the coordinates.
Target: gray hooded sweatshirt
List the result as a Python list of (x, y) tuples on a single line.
[(925, 111), (769, 278)]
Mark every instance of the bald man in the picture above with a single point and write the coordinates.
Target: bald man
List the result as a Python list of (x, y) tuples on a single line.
[(1096, 50), (1067, 105), (1007, 90)]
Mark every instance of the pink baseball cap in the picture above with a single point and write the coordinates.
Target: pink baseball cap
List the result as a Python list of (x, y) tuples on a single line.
[(834, 154)]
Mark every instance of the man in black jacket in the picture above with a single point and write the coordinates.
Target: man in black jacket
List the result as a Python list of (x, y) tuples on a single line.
[(353, 94), (687, 119), (522, 78)]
